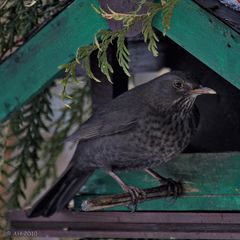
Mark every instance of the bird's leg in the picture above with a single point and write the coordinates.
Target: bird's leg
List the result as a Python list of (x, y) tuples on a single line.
[(136, 193), (174, 186)]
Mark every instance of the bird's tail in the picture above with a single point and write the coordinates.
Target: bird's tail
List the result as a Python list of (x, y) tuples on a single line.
[(58, 196)]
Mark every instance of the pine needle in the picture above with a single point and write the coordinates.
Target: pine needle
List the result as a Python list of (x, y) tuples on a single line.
[(104, 38)]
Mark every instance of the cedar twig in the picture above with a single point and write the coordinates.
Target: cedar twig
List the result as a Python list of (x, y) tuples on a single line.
[(109, 201)]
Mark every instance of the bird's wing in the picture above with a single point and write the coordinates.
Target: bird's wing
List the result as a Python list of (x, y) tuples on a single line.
[(120, 115), (107, 124)]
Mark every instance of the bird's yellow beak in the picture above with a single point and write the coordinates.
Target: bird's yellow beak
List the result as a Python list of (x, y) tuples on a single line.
[(203, 90)]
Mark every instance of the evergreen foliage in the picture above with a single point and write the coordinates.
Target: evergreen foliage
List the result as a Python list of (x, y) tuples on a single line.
[(69, 117), (20, 18), (23, 148), (104, 38), (27, 128), (26, 154)]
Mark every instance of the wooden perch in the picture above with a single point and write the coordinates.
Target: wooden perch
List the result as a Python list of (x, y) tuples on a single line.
[(109, 201)]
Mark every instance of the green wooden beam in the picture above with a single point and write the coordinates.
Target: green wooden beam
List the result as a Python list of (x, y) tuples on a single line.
[(207, 38), (32, 67), (36, 63), (213, 179)]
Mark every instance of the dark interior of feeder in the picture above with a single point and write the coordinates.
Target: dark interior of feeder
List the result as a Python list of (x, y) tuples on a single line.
[(219, 126)]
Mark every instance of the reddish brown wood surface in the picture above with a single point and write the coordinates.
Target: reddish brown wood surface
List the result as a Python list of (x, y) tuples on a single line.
[(179, 225)]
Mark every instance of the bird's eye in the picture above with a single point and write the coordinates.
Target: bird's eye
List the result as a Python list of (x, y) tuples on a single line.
[(178, 84)]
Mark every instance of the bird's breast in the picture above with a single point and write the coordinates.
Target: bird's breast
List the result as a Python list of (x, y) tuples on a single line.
[(163, 137)]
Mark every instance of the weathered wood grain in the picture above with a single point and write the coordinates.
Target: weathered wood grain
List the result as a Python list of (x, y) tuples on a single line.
[(164, 225), (124, 199)]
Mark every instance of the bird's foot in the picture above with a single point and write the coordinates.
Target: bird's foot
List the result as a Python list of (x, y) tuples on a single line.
[(137, 195), (175, 188)]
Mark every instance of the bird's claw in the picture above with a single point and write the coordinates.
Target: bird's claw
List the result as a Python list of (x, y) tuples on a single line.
[(137, 195), (175, 188)]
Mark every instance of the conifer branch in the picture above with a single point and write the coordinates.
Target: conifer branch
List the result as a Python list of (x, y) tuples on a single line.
[(19, 19), (80, 109), (104, 38), (27, 128), (167, 13), (31, 156)]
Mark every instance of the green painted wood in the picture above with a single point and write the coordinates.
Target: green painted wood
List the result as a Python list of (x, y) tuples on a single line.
[(213, 177), (207, 38), (36, 63)]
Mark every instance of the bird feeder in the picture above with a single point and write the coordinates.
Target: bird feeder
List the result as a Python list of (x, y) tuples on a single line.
[(204, 38)]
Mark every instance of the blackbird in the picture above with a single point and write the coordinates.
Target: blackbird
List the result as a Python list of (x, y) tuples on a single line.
[(141, 129)]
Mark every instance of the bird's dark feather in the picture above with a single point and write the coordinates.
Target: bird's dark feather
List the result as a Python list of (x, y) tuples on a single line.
[(142, 128), (119, 115)]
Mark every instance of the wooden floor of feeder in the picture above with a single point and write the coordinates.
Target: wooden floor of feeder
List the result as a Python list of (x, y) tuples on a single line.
[(163, 225), (214, 186)]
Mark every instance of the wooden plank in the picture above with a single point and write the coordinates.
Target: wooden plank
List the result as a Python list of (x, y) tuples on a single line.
[(36, 63), (212, 178), (207, 38), (169, 225)]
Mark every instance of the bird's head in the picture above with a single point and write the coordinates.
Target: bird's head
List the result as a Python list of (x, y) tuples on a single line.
[(177, 88)]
